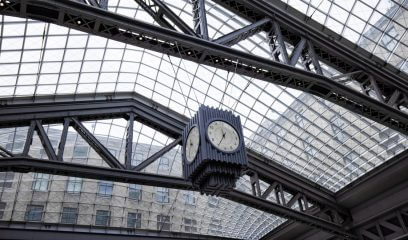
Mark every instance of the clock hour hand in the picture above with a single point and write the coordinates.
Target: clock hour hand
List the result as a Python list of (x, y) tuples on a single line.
[(223, 136)]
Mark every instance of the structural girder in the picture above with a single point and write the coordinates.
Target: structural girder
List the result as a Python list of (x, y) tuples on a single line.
[(56, 109), (376, 201), (117, 27), (388, 83)]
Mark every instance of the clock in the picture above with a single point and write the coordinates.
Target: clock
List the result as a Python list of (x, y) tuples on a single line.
[(193, 141), (223, 136), (214, 153)]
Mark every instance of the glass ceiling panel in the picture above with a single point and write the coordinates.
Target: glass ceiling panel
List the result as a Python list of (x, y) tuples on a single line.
[(315, 138), (379, 26)]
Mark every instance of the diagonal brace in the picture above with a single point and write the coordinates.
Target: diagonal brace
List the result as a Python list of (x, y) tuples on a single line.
[(157, 10), (95, 144), (157, 155), (243, 33), (49, 150)]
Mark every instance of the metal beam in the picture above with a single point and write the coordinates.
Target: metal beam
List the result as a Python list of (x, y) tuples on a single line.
[(243, 33), (117, 27), (95, 144), (129, 141), (27, 164), (15, 230), (64, 134), (157, 10), (200, 18), (157, 155), (45, 141), (16, 111), (29, 138)]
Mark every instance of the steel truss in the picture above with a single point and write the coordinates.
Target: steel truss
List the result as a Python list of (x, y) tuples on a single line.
[(309, 203), (375, 201), (393, 225), (113, 26), (314, 42)]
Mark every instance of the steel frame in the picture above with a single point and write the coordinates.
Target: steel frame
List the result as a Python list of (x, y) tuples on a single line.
[(308, 199), (372, 199), (316, 207), (385, 81), (113, 26)]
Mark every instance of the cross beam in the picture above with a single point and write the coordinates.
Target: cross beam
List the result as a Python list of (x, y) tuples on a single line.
[(117, 27), (56, 109)]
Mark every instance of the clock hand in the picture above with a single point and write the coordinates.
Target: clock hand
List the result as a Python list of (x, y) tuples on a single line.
[(223, 136), (191, 145)]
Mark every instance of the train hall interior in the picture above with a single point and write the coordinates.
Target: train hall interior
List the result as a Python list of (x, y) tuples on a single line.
[(204, 119)]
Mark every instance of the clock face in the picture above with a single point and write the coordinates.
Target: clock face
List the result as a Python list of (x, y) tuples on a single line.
[(193, 141), (223, 136)]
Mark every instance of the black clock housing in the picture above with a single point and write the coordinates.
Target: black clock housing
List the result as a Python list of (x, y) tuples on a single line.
[(214, 171)]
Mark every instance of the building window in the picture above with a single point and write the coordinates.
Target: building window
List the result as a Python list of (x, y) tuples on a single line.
[(69, 215), (162, 195), (163, 222), (105, 189), (102, 218), (2, 208), (190, 225), (337, 125), (135, 191), (6, 179), (215, 226), (80, 152), (40, 182), (164, 164), (74, 185), (189, 198), (213, 201), (137, 159), (34, 213), (134, 220)]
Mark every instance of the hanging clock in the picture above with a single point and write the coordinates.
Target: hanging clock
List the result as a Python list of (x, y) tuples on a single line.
[(214, 153)]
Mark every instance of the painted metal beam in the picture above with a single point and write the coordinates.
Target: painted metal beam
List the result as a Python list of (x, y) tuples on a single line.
[(200, 18), (45, 141), (95, 144), (158, 10), (157, 155), (129, 141), (121, 28), (63, 140), (243, 33)]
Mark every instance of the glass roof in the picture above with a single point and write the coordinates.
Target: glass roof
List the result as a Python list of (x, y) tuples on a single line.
[(315, 138), (378, 26)]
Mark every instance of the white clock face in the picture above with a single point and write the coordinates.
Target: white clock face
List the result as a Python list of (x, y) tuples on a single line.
[(223, 136), (193, 141)]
